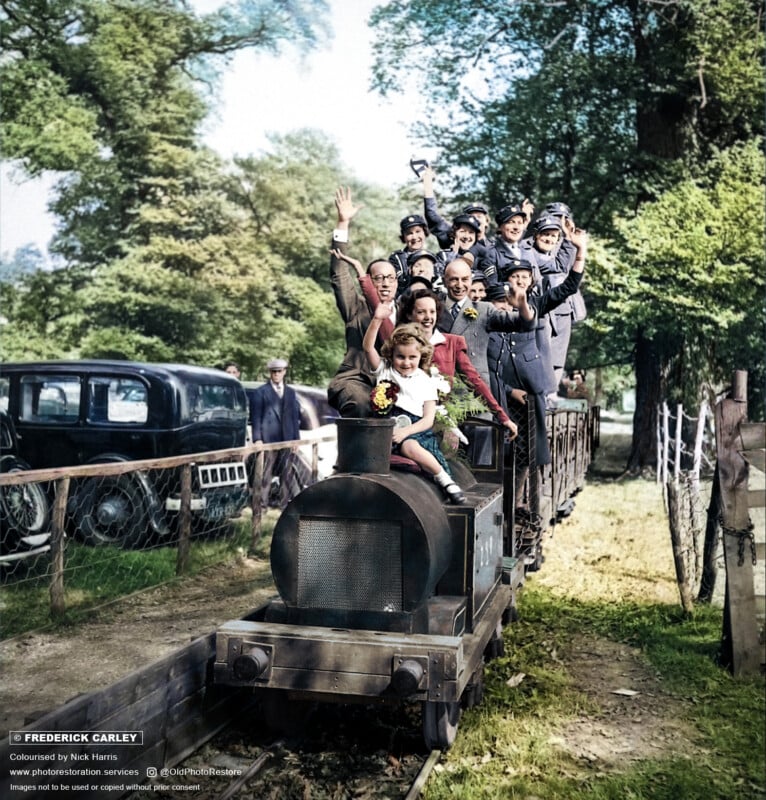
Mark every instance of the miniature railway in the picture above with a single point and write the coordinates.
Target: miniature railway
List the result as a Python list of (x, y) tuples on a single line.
[(195, 714), (322, 764), (191, 727)]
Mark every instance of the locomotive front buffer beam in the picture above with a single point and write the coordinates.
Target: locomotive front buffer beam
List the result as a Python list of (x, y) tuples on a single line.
[(343, 664)]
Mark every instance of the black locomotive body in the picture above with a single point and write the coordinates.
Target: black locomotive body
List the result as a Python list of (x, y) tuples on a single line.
[(386, 592)]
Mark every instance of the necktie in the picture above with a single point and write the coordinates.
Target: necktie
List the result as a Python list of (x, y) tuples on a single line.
[(455, 310)]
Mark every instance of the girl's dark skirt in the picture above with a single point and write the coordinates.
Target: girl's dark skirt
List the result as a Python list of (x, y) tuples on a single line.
[(426, 439)]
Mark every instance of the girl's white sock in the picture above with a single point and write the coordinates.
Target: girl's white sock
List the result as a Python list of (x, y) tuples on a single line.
[(442, 478)]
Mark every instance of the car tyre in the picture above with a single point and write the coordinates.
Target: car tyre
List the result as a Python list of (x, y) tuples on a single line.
[(112, 510), (24, 508)]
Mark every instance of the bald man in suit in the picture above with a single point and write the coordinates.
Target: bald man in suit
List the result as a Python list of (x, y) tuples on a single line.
[(474, 320)]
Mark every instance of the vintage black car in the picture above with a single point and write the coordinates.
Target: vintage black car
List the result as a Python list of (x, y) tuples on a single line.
[(68, 413), (24, 508)]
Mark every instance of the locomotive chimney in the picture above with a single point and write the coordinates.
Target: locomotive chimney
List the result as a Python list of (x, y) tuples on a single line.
[(364, 445)]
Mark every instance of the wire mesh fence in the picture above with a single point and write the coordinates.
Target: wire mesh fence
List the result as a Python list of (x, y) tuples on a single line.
[(74, 538), (686, 456)]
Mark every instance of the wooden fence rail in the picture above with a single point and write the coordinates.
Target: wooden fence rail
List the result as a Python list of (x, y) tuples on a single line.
[(62, 477)]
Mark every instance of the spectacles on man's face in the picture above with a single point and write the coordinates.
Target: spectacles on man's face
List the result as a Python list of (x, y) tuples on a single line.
[(384, 279)]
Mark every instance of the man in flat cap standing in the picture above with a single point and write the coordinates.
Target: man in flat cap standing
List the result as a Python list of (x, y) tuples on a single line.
[(275, 416)]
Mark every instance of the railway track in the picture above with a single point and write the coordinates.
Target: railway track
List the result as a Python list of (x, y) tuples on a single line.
[(334, 752), (195, 735)]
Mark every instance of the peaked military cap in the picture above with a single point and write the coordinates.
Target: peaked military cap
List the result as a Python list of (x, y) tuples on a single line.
[(468, 220), (506, 212), (547, 223), (413, 221), (474, 207), (517, 264), (416, 255), (496, 292), (559, 209), (424, 282)]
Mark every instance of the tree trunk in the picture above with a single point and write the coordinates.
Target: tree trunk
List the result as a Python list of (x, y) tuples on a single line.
[(648, 372)]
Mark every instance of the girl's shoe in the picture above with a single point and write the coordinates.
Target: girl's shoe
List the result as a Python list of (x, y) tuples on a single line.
[(454, 493)]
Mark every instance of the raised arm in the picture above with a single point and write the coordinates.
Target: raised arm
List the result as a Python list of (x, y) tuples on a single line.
[(347, 210), (437, 225), (371, 334)]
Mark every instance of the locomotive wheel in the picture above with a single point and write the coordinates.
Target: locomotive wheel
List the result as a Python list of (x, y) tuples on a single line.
[(510, 615), (111, 510), (440, 721), (24, 508), (496, 645), (474, 691)]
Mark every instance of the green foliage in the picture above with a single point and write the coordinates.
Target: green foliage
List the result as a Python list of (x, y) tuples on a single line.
[(104, 90), (692, 277), (610, 106), (601, 104)]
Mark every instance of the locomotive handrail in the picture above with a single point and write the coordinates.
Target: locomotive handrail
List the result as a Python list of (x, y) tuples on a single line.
[(490, 423)]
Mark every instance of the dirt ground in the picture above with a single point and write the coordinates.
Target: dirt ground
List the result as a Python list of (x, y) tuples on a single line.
[(636, 720)]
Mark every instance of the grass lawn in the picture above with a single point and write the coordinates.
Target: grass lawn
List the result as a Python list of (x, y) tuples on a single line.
[(606, 689)]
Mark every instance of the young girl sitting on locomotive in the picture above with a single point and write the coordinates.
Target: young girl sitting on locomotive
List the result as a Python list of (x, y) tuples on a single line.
[(402, 361)]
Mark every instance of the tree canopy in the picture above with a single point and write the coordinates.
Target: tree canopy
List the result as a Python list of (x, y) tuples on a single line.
[(647, 119)]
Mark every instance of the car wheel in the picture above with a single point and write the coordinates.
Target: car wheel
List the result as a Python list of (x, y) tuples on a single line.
[(111, 510), (24, 508)]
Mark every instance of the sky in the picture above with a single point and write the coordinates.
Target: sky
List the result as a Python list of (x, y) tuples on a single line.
[(327, 90)]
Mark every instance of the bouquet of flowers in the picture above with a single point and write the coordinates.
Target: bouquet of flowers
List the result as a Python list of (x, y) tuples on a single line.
[(383, 398), (444, 420), (454, 404), (471, 312)]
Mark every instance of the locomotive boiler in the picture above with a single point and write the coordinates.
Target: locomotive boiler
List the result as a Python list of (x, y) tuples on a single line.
[(386, 592)]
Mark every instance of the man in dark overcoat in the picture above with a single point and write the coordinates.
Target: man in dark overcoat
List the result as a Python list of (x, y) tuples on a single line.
[(275, 416)]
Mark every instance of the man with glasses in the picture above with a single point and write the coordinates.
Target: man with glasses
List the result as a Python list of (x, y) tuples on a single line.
[(349, 391)]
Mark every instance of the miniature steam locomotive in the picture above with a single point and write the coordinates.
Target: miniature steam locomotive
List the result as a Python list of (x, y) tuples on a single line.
[(386, 592)]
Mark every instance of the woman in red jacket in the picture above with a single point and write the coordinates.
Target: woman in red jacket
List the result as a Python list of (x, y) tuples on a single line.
[(450, 351)]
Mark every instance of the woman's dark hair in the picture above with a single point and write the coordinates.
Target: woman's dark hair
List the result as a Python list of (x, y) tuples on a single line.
[(407, 303)]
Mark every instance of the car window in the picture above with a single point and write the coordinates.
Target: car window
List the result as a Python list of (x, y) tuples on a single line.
[(49, 398), (117, 400), (5, 388), (212, 401)]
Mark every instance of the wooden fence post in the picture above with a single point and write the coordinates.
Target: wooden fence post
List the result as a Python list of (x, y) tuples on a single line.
[(58, 544), (184, 521), (256, 501), (314, 462), (740, 634), (665, 443), (710, 548), (659, 446)]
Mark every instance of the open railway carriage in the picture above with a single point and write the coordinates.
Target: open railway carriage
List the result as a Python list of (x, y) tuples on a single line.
[(573, 435), (386, 592)]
